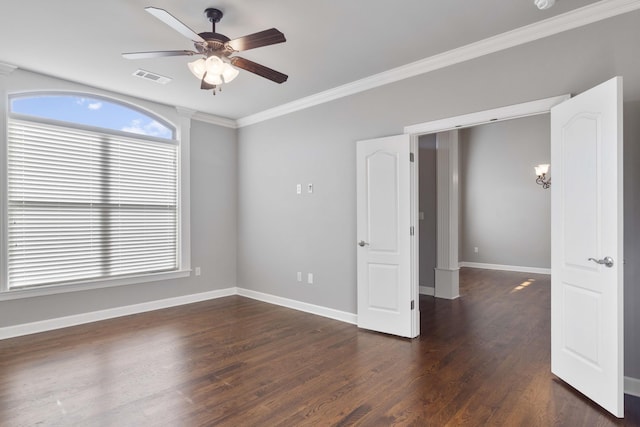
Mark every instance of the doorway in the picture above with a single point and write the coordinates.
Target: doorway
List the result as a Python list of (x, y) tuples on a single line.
[(504, 216), (448, 228)]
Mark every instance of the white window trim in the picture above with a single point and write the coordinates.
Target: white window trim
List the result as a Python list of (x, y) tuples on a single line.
[(183, 135)]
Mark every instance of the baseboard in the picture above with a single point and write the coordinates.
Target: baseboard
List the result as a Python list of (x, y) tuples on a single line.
[(632, 386), (535, 270), (94, 316), (427, 290), (342, 316)]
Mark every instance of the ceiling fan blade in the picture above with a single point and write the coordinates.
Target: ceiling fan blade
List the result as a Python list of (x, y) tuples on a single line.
[(158, 54), (258, 69), (174, 23), (252, 41)]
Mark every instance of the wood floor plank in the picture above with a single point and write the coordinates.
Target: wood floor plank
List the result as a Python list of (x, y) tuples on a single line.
[(482, 360)]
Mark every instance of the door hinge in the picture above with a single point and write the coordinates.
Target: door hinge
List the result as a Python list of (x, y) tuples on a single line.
[(411, 157), (412, 230), (413, 304)]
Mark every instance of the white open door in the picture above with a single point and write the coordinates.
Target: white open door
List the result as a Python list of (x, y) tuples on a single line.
[(586, 244), (385, 294)]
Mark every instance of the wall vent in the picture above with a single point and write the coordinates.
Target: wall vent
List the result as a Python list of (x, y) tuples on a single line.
[(143, 74)]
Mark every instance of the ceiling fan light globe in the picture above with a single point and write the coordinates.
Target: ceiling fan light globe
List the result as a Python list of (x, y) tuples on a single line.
[(214, 65), (198, 68), (229, 73), (213, 79)]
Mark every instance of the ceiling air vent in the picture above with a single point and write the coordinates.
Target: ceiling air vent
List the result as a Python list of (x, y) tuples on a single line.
[(152, 76)]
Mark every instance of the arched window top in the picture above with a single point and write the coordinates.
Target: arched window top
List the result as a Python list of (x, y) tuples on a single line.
[(91, 111)]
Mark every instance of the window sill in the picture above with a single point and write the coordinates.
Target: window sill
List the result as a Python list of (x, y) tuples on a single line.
[(94, 284)]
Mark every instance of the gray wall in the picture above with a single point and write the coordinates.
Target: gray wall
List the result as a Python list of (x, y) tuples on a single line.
[(427, 205), (503, 212), (214, 152), (632, 238), (213, 233), (279, 233)]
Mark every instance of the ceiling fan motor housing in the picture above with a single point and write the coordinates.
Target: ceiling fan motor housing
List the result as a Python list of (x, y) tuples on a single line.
[(215, 44), (214, 41)]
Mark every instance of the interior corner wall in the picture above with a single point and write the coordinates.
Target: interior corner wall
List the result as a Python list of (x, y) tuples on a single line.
[(503, 212), (428, 209), (280, 233), (214, 196), (213, 221)]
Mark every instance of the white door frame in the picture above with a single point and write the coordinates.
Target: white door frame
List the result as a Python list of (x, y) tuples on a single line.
[(532, 108)]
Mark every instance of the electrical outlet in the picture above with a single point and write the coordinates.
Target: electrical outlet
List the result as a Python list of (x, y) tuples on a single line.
[(475, 249), (198, 271), (310, 278), (299, 188), (309, 188), (299, 276)]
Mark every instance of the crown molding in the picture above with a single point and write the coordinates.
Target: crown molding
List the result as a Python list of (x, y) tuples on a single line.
[(215, 120), (207, 118), (567, 21), (6, 69), (185, 112)]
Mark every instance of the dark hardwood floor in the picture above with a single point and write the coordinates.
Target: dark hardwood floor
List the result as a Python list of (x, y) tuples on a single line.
[(482, 360)]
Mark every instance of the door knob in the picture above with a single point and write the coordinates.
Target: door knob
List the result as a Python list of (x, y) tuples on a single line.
[(363, 243), (606, 261)]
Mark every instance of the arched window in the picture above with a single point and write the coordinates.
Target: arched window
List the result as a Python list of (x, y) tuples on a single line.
[(91, 111), (92, 190)]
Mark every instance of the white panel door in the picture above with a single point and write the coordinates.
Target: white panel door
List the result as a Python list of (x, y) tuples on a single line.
[(384, 240), (586, 244)]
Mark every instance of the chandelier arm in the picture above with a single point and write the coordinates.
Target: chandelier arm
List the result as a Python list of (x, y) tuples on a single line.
[(541, 180)]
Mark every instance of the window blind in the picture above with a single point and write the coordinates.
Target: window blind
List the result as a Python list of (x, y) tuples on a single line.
[(86, 205)]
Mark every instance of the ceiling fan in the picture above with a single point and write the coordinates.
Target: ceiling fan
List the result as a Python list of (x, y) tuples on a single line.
[(216, 66)]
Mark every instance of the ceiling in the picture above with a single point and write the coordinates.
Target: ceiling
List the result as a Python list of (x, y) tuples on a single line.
[(329, 43)]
